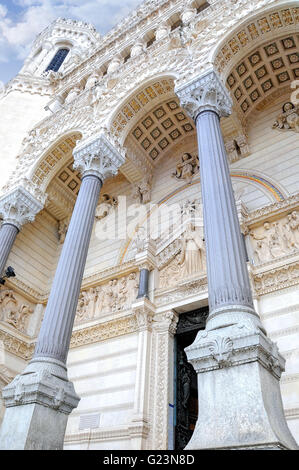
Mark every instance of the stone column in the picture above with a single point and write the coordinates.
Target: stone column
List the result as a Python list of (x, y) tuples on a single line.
[(238, 367), (39, 400), (16, 209), (145, 259)]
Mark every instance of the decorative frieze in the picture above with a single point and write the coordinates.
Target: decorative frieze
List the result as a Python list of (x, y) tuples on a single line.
[(13, 311), (104, 331), (17, 346), (276, 239), (114, 296), (276, 278)]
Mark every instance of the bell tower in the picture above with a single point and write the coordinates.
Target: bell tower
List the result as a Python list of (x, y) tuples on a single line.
[(62, 45)]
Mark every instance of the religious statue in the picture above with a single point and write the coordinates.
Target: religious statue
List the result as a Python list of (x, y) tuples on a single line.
[(192, 251), (186, 168), (63, 226), (269, 244), (290, 231), (107, 203), (288, 119), (141, 191), (92, 81), (14, 312)]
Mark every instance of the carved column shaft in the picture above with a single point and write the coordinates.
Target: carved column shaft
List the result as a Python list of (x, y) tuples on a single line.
[(56, 329), (226, 260), (8, 233), (238, 367), (42, 395)]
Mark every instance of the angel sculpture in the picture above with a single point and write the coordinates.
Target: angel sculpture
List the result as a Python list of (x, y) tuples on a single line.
[(288, 119), (107, 203), (186, 168)]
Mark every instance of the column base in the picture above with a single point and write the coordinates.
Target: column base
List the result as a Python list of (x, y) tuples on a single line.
[(239, 404), (38, 403)]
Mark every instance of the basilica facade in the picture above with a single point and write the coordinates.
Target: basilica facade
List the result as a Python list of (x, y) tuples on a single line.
[(150, 213)]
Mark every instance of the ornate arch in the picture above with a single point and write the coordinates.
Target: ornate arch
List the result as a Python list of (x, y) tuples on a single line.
[(149, 93), (260, 56), (51, 161)]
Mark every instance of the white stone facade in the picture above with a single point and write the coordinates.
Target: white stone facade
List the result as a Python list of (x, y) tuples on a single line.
[(121, 358)]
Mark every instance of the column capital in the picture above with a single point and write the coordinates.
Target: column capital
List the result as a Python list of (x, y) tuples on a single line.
[(98, 157), (205, 93), (19, 207), (145, 256)]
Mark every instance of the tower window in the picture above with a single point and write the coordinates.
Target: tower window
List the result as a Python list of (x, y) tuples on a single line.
[(57, 60)]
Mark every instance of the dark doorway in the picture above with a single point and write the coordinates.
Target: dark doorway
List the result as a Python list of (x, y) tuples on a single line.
[(186, 396)]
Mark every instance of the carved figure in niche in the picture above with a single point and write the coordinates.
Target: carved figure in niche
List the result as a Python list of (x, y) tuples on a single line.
[(269, 245), (141, 192), (72, 95), (63, 226), (186, 168), (107, 203), (288, 119), (186, 385), (111, 295), (92, 81), (293, 224), (140, 239), (12, 312), (274, 238), (122, 294), (192, 251), (171, 273), (21, 321), (132, 286), (290, 230), (84, 308)]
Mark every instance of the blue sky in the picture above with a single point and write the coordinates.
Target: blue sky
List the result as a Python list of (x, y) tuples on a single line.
[(22, 20)]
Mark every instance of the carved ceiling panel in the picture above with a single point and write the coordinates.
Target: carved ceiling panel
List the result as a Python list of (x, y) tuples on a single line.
[(256, 30), (273, 65), (138, 102), (164, 126), (54, 158)]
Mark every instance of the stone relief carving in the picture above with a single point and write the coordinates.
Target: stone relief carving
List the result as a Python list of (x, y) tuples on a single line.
[(116, 295), (288, 119), (14, 311), (141, 191), (189, 257), (192, 251), (63, 226), (237, 148), (106, 205), (191, 209), (276, 239), (186, 168)]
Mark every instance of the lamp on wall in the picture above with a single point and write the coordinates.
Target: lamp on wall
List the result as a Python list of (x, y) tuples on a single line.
[(10, 272)]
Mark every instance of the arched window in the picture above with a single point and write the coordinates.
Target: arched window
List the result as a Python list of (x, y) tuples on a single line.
[(57, 60)]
